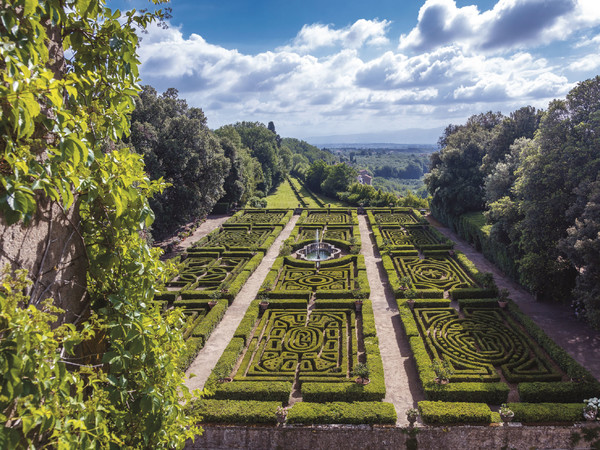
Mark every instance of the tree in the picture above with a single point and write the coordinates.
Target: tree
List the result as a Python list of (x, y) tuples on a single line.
[(339, 178), (179, 148), (59, 115), (316, 175), (263, 146)]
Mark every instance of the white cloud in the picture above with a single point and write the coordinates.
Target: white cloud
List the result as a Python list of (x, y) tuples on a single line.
[(303, 88), (362, 32), (511, 24)]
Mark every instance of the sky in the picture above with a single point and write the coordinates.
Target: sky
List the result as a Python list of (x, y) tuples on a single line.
[(400, 71)]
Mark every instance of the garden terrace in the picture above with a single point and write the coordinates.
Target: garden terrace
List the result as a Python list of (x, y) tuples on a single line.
[(301, 354)]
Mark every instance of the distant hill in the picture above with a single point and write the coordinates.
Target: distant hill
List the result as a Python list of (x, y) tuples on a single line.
[(427, 136)]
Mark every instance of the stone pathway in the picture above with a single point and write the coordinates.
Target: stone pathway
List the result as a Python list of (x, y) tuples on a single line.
[(558, 321), (223, 333), (401, 379)]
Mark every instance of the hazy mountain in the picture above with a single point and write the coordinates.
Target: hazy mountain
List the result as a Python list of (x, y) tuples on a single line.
[(409, 136)]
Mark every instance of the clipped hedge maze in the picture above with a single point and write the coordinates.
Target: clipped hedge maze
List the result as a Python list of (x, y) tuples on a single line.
[(207, 272), (339, 277), (308, 350), (261, 216), (441, 272), (481, 342), (324, 217), (286, 341), (237, 237), (396, 216), (416, 236)]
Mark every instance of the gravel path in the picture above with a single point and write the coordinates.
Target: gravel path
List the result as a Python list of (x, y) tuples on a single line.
[(558, 321), (219, 339), (401, 379)]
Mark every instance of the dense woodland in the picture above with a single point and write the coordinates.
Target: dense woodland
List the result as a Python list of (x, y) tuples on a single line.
[(536, 176)]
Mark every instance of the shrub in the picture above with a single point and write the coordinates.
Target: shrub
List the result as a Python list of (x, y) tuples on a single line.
[(236, 411), (254, 390), (557, 392), (547, 412), (340, 412), (445, 413)]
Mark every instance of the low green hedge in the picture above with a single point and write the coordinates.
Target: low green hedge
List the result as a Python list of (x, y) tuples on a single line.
[(432, 302), (246, 326), (423, 293), (460, 293), (325, 303), (340, 412), (226, 362), (264, 391), (236, 411), (169, 296), (478, 303), (446, 413), (471, 391), (210, 321), (547, 412), (557, 392), (342, 392)]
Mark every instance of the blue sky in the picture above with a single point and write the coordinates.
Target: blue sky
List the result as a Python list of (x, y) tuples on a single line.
[(322, 68)]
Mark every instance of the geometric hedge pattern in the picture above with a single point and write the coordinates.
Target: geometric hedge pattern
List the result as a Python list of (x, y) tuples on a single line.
[(481, 342), (409, 236), (305, 278), (396, 217), (238, 238), (321, 217), (433, 272), (341, 234), (259, 217), (205, 272), (285, 341)]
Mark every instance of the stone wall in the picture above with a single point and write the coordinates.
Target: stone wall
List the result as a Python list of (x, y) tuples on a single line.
[(51, 250), (363, 437)]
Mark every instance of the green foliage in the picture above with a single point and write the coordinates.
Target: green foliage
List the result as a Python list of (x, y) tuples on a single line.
[(446, 413), (264, 391), (179, 148), (558, 392), (547, 412), (340, 412), (236, 411), (59, 118)]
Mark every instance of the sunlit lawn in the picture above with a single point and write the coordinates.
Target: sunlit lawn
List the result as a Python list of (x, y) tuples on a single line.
[(283, 197)]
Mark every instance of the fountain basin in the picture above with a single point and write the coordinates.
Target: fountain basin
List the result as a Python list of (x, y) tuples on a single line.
[(319, 251)]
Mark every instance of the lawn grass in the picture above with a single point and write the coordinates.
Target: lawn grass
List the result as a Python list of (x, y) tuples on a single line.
[(283, 197)]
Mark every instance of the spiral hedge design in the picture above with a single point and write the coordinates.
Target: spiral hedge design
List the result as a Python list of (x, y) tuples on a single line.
[(329, 278), (480, 343), (434, 272), (285, 341)]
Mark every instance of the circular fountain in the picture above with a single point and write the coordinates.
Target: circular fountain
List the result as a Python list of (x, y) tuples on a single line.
[(318, 251)]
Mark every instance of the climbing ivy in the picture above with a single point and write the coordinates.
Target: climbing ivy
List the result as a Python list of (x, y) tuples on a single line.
[(69, 74)]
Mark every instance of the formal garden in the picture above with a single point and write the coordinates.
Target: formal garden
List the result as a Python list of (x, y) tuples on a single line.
[(307, 350)]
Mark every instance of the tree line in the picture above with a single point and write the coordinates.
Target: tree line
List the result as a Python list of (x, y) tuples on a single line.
[(238, 164), (536, 176)]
